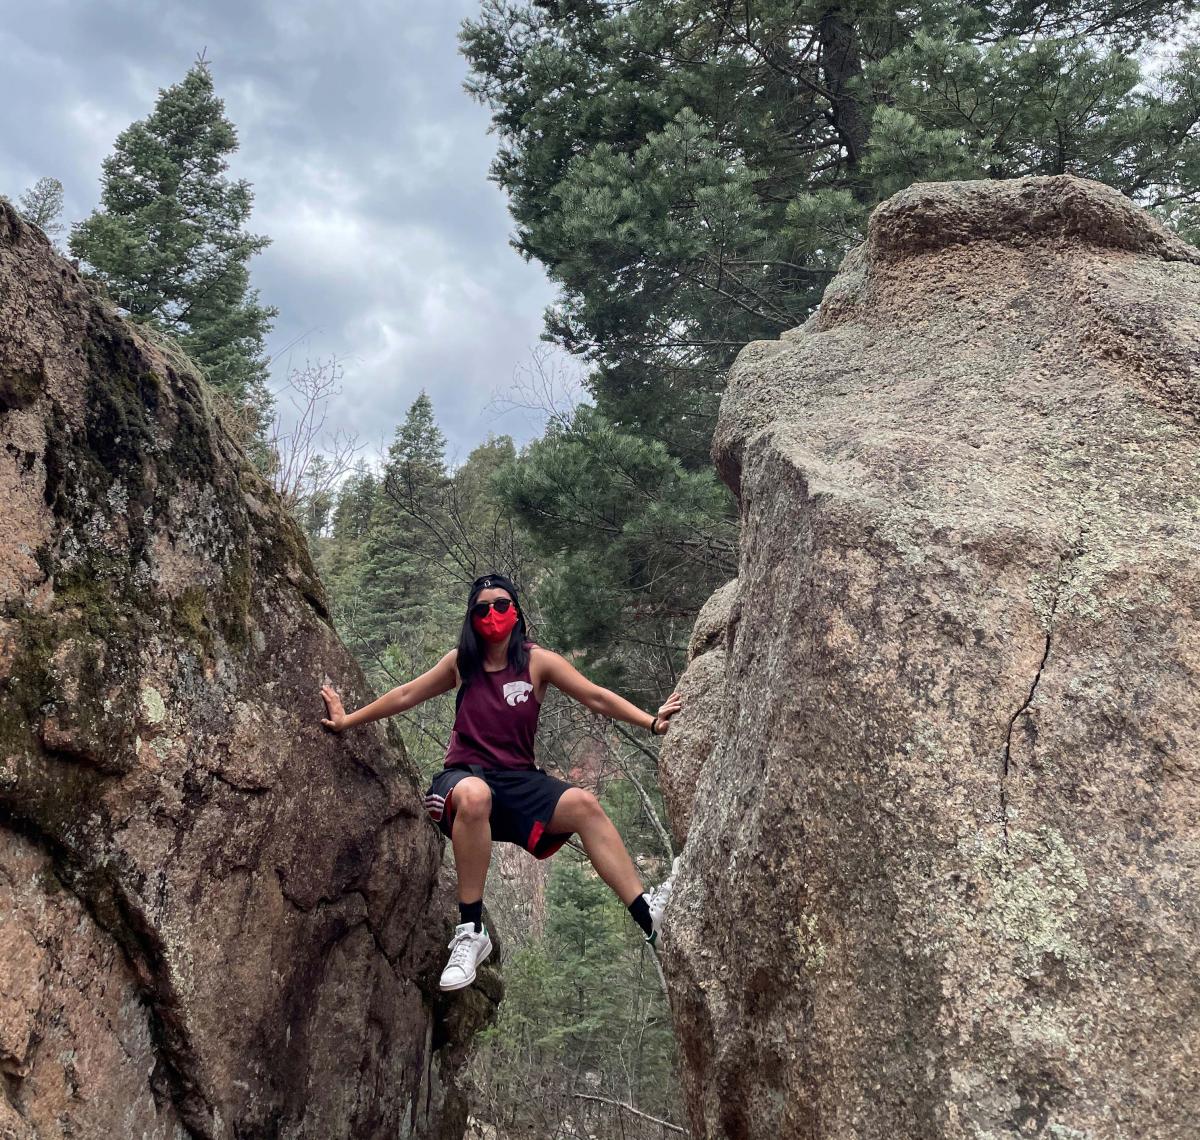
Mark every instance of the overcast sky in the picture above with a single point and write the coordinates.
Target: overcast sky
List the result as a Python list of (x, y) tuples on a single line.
[(369, 164)]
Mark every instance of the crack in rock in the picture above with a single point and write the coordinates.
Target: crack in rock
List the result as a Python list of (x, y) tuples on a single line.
[(1059, 582), (1011, 722)]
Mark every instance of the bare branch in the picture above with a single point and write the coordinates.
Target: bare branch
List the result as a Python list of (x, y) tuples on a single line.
[(544, 385), (632, 1111), (298, 476)]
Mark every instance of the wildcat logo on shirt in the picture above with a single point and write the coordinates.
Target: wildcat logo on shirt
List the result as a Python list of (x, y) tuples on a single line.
[(515, 692)]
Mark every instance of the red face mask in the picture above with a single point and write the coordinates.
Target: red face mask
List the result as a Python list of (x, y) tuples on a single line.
[(496, 627)]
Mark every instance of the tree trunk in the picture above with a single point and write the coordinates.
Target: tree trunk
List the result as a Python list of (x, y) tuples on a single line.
[(841, 67)]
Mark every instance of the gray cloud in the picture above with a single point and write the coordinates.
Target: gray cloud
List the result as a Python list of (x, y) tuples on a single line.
[(369, 164)]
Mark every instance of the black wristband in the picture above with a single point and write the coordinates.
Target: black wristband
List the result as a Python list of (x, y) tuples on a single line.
[(654, 727)]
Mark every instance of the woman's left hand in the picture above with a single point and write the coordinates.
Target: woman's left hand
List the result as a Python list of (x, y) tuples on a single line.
[(669, 708)]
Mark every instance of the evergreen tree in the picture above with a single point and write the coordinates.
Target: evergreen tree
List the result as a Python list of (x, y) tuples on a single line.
[(486, 536), (355, 504), (315, 507), (337, 556), (42, 205), (168, 239), (692, 174), (635, 543), (582, 1012), (402, 554)]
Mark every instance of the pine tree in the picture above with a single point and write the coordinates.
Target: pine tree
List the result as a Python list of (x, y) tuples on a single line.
[(487, 536), (315, 507), (635, 543), (168, 239), (402, 553), (42, 205), (582, 1012), (356, 501), (692, 174), (338, 557)]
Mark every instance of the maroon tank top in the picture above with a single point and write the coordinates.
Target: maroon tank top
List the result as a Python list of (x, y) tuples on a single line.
[(495, 721)]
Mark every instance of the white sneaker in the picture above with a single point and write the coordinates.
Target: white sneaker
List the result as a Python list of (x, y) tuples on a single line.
[(467, 950), (657, 900)]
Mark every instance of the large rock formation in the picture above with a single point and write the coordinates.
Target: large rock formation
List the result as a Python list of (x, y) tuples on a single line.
[(942, 876), (216, 918)]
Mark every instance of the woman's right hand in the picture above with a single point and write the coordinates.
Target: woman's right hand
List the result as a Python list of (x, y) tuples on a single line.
[(336, 719)]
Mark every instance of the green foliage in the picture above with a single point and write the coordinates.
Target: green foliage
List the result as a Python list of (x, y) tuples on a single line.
[(42, 205), (652, 154), (692, 174), (635, 540), (316, 505), (337, 546), (400, 554), (583, 1011), (168, 239), (624, 807)]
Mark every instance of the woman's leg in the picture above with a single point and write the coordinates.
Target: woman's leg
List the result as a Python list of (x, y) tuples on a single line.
[(471, 835), (580, 811)]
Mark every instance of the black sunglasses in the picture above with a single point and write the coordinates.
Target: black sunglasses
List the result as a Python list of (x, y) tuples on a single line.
[(480, 609)]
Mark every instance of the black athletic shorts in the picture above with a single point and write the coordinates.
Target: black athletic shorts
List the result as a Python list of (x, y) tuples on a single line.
[(523, 802)]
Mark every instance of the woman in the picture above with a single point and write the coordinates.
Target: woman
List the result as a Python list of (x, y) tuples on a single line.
[(490, 787)]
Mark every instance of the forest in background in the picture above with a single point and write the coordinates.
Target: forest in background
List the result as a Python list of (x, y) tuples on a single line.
[(583, 1013), (690, 176)]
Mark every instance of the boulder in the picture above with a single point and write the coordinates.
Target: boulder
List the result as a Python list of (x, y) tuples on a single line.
[(217, 918), (701, 686), (942, 871)]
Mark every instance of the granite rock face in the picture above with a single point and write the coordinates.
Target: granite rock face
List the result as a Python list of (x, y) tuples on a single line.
[(942, 871), (216, 918), (691, 738)]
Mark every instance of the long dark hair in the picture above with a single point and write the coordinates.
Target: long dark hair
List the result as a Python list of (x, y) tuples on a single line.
[(471, 645)]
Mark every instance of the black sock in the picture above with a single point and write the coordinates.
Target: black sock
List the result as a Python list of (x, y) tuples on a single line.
[(640, 910), (471, 912)]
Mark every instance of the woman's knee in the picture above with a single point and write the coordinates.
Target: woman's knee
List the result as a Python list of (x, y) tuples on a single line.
[(472, 799), (581, 807)]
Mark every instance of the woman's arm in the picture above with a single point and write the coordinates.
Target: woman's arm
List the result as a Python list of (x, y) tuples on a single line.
[(440, 679), (563, 675)]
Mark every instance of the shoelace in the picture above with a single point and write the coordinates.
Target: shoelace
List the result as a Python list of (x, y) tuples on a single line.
[(460, 949), (660, 894)]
